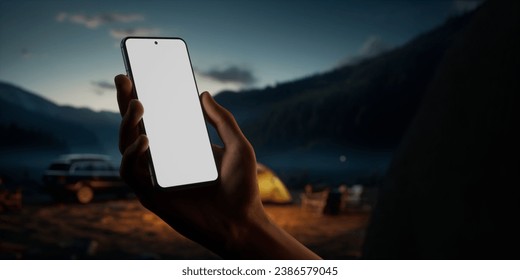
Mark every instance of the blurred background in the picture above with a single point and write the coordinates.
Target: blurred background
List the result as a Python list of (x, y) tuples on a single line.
[(324, 90)]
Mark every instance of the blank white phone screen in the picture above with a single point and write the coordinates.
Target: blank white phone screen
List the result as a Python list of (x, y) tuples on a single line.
[(179, 144)]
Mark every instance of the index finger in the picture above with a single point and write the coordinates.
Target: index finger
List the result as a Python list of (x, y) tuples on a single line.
[(124, 92)]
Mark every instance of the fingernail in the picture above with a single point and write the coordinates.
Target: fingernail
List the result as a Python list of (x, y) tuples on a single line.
[(116, 79)]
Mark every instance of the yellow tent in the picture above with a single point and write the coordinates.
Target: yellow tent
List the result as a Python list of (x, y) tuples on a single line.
[(272, 189)]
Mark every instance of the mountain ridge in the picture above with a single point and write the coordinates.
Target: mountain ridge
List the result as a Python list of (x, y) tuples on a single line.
[(79, 129), (369, 104)]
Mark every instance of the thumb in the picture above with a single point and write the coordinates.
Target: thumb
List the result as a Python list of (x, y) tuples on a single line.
[(222, 120)]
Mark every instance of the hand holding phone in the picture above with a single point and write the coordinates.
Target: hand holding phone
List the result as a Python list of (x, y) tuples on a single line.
[(205, 215), (227, 217)]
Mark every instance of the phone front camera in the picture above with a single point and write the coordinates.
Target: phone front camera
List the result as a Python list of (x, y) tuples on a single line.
[(156, 42)]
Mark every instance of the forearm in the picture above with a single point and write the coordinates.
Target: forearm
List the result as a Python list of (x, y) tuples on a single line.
[(262, 239)]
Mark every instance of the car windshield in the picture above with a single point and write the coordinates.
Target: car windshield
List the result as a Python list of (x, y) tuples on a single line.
[(91, 166), (59, 166)]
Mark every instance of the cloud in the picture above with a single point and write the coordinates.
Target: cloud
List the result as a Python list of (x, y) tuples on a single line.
[(119, 33), (61, 17), (101, 86), (372, 46), (464, 6), (25, 53), (231, 74), (29, 53), (95, 21)]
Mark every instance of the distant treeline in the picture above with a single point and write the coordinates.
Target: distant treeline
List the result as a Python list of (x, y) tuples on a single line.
[(14, 136)]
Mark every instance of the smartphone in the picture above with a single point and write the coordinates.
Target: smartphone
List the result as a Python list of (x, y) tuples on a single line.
[(179, 146)]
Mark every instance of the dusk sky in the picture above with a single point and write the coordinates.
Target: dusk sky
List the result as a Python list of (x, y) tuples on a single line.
[(68, 51)]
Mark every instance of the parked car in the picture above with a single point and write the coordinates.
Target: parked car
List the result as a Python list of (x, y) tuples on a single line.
[(82, 175)]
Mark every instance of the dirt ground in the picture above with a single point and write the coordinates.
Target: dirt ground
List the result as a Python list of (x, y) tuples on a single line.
[(123, 229)]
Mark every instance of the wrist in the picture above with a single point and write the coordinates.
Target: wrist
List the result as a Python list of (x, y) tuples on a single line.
[(240, 242), (259, 238)]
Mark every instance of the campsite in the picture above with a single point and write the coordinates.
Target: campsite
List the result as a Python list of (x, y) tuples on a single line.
[(121, 228)]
